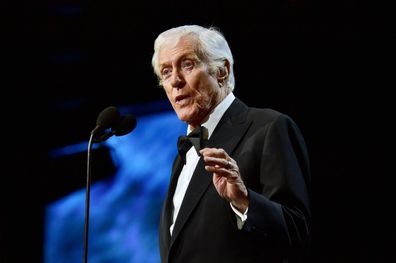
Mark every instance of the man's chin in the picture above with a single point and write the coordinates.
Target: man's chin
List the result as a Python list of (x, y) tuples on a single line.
[(185, 114)]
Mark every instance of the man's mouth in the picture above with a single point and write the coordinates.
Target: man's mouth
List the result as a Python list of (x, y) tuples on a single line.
[(181, 99)]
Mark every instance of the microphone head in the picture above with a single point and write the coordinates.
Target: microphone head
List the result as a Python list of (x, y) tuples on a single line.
[(108, 117), (126, 125)]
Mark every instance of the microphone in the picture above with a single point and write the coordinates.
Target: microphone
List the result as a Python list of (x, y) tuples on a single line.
[(125, 125), (111, 119), (108, 119)]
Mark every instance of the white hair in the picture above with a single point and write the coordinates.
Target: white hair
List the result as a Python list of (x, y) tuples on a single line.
[(211, 47)]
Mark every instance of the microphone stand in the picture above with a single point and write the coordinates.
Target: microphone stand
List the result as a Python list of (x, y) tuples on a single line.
[(87, 197), (121, 126)]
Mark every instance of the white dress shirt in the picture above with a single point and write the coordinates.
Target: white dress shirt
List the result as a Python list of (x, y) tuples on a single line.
[(192, 159)]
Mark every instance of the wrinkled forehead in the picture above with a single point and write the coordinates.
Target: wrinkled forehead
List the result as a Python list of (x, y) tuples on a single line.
[(174, 48)]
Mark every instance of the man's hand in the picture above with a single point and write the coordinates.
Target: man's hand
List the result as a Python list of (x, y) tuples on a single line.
[(226, 177)]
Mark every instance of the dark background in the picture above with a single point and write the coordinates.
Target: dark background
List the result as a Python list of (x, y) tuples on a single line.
[(327, 64)]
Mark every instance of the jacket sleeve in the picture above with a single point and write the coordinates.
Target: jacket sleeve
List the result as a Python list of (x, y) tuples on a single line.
[(281, 211)]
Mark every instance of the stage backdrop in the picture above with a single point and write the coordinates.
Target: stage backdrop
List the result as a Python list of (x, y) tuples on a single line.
[(125, 208)]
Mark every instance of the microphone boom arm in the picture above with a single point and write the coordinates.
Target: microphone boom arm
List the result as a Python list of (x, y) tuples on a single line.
[(87, 198), (109, 118)]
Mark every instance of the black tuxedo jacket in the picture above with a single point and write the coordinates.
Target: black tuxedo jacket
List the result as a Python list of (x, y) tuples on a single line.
[(273, 162)]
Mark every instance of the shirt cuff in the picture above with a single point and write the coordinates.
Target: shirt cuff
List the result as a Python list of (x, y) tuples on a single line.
[(241, 218)]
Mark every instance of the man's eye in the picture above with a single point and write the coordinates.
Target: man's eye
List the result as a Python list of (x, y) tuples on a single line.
[(166, 72), (187, 64)]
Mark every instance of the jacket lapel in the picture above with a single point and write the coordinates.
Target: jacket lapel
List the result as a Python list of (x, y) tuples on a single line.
[(227, 134), (167, 210)]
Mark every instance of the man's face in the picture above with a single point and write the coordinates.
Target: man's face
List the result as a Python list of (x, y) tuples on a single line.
[(191, 89)]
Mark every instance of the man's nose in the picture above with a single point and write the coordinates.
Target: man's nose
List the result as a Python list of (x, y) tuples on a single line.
[(177, 80)]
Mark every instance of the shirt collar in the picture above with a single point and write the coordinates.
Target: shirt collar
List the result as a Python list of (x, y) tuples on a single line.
[(216, 115)]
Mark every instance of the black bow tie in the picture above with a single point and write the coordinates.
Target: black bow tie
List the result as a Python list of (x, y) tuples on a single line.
[(195, 138)]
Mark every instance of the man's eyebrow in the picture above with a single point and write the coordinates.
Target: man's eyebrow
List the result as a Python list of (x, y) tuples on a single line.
[(163, 65), (189, 55)]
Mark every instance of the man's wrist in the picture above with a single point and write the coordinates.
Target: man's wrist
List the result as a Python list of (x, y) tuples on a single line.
[(242, 203)]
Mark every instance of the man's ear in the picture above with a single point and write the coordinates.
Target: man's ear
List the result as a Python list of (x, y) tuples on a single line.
[(223, 72)]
